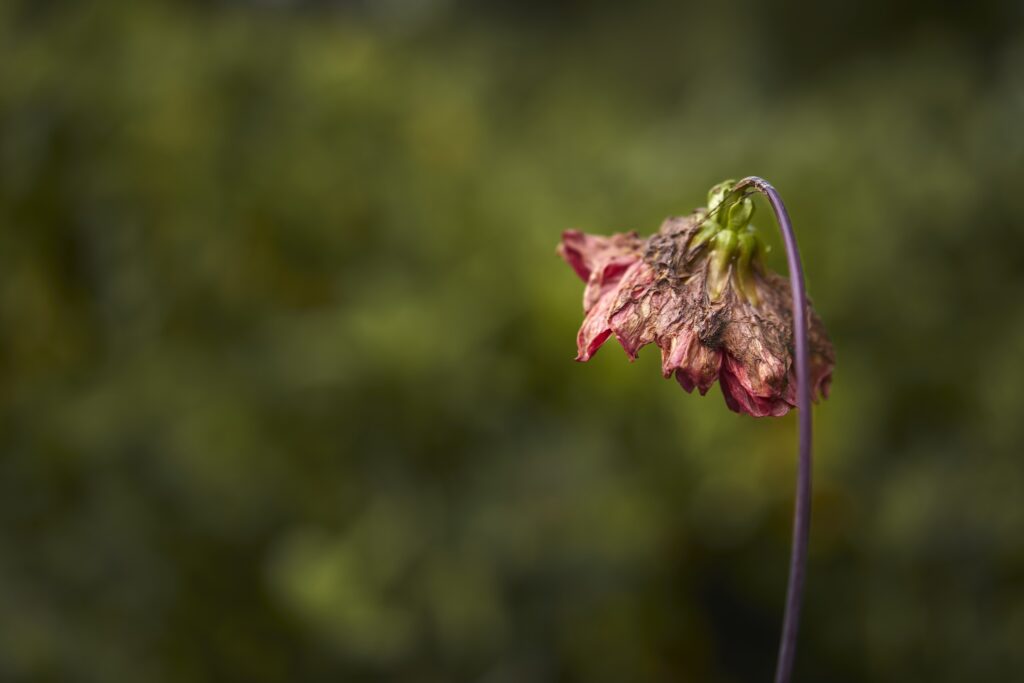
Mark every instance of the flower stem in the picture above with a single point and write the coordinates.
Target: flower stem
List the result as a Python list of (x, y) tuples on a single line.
[(802, 508)]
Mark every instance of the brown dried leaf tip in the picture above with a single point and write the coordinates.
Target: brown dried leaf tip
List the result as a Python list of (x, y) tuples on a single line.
[(697, 289)]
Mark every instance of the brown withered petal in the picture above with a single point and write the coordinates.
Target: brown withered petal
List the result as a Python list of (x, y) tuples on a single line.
[(655, 291)]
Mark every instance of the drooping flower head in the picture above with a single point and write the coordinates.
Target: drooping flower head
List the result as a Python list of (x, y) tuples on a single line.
[(698, 290)]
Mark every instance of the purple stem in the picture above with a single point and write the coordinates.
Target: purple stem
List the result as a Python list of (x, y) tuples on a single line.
[(802, 509)]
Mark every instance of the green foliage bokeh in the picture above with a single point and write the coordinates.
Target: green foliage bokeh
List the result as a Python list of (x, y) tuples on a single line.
[(286, 378)]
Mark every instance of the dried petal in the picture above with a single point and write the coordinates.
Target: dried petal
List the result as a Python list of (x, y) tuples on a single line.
[(602, 262), (585, 253), (741, 400), (636, 308), (597, 325), (761, 338), (758, 340), (693, 363)]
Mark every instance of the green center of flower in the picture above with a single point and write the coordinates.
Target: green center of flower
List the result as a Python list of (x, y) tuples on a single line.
[(733, 241)]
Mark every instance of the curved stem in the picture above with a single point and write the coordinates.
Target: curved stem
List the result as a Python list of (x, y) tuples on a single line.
[(802, 509)]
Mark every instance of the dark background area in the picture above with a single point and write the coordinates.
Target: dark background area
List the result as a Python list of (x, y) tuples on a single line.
[(286, 377)]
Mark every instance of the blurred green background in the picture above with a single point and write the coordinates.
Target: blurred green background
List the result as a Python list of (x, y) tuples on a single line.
[(286, 377)]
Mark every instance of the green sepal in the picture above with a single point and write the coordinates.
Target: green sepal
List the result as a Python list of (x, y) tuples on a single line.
[(740, 214), (708, 230), (717, 195), (725, 245), (749, 248)]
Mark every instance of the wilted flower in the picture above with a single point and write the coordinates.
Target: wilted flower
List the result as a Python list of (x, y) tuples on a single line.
[(698, 289)]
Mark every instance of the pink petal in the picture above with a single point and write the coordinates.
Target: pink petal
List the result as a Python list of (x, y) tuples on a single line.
[(684, 381), (573, 249), (595, 329), (821, 376), (587, 253), (694, 363), (823, 385), (605, 278), (741, 398)]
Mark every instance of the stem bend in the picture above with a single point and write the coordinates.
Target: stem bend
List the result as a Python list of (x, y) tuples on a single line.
[(802, 508)]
